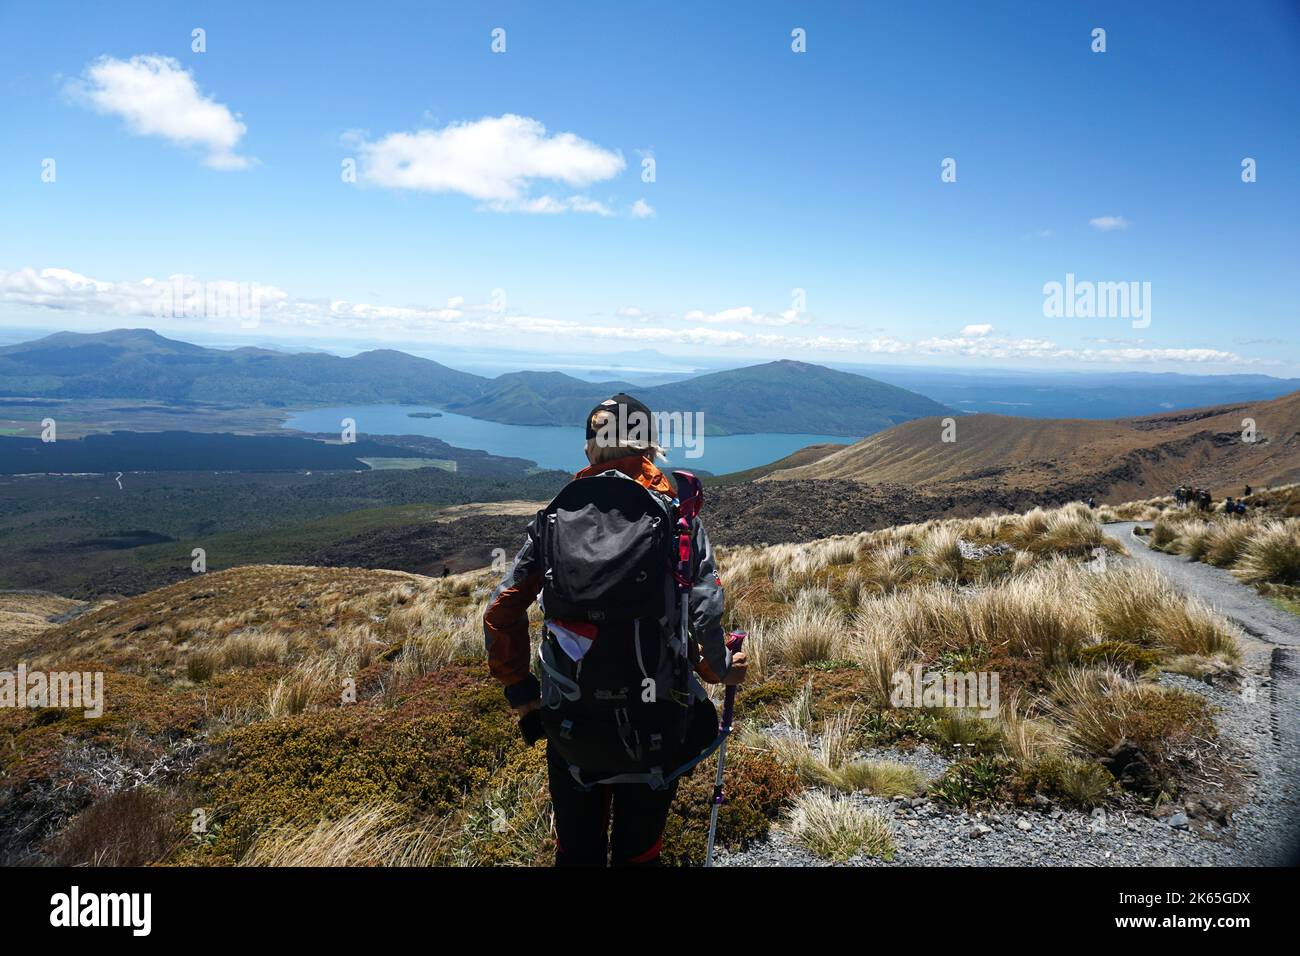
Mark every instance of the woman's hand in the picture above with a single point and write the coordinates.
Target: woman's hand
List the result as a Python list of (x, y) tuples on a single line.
[(736, 672)]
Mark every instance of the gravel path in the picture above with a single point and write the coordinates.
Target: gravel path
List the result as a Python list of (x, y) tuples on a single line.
[(1264, 719), (1255, 615), (1261, 719)]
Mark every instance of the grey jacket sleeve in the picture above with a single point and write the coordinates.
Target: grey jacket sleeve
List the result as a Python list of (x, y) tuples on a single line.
[(707, 606)]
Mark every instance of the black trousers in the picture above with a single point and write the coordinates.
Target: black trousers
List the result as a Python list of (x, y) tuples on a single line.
[(583, 832)]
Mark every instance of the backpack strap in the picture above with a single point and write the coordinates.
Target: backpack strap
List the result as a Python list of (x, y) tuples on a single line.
[(654, 777)]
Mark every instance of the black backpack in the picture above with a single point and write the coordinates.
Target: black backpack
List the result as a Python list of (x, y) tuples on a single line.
[(624, 708)]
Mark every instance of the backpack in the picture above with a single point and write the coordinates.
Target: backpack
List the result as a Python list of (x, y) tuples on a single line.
[(618, 690)]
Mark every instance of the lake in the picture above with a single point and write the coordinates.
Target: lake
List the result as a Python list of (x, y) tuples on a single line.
[(551, 446)]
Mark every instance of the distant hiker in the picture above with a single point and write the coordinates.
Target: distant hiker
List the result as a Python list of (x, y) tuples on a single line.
[(1229, 508), (1246, 493), (1092, 502), (1241, 509), (619, 701), (446, 571)]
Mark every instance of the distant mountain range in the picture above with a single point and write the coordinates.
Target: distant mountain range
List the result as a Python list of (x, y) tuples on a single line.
[(1073, 394), (789, 397), (782, 396)]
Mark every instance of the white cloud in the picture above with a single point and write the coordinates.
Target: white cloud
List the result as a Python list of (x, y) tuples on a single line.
[(495, 159), (642, 210), (156, 96), (550, 206), (1109, 223), (745, 315), (69, 291)]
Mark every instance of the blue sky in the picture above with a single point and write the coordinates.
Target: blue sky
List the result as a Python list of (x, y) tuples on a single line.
[(500, 196)]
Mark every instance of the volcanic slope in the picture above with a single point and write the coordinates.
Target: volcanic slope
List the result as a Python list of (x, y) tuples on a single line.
[(1123, 458)]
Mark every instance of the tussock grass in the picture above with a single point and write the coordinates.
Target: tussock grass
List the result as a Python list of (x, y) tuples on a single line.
[(941, 552), (307, 685), (890, 567), (436, 636), (1191, 627), (250, 648), (1272, 555), (1226, 543), (837, 829), (1100, 709), (202, 663), (880, 778), (810, 633), (374, 835)]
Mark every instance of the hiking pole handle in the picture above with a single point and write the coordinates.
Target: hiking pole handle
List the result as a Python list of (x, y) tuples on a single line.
[(735, 641)]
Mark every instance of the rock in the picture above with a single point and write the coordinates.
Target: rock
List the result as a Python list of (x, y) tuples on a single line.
[(980, 830), (1129, 765), (1180, 821), (1024, 824), (1209, 808), (1041, 801)]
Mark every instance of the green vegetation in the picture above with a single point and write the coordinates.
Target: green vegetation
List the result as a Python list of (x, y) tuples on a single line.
[(390, 464)]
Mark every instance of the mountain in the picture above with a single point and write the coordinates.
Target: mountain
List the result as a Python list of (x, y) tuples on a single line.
[(1070, 394), (789, 397), (139, 363), (538, 398), (1124, 458), (782, 396)]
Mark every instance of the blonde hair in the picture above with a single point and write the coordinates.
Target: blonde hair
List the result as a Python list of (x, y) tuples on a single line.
[(599, 453)]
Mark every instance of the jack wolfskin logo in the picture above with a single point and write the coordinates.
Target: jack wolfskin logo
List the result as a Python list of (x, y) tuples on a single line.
[(603, 694)]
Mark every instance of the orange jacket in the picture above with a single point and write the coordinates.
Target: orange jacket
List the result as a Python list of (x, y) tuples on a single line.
[(505, 623)]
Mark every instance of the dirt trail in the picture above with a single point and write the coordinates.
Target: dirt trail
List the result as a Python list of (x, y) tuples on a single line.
[(1273, 642)]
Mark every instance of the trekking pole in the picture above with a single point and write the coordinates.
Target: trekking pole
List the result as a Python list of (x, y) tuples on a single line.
[(734, 642)]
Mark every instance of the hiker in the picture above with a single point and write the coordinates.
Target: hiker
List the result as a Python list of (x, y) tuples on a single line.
[(1092, 502), (1246, 493), (1229, 508), (619, 701), (446, 571)]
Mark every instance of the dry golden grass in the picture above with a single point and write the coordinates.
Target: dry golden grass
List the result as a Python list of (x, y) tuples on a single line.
[(941, 552), (1272, 555), (813, 631), (377, 835), (838, 829)]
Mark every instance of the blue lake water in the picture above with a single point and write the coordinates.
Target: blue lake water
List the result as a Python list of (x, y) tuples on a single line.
[(549, 445)]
